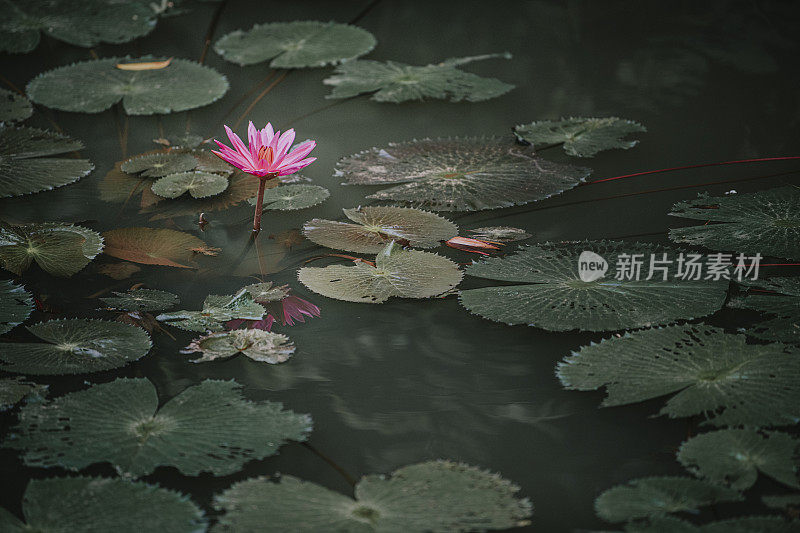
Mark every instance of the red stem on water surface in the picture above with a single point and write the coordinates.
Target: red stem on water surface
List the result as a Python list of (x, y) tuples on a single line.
[(701, 165)]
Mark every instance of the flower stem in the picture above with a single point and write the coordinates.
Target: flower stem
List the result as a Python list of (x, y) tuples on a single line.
[(262, 185), (259, 204)]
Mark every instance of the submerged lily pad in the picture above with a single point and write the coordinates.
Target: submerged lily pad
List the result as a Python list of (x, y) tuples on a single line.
[(459, 174), (216, 311), (76, 346), (141, 300), (581, 137), (103, 504), (397, 272), (58, 249), (96, 85), (14, 390), (782, 501), (765, 222), (398, 82), (16, 305), (121, 270), (713, 373), (435, 496), (155, 246), (658, 496), (557, 299), (742, 524), (197, 184), (734, 457), (500, 234), (209, 427), (297, 44), (159, 164), (86, 23), (294, 196), (780, 302), (14, 107), (256, 344), (181, 140), (375, 227), (25, 165)]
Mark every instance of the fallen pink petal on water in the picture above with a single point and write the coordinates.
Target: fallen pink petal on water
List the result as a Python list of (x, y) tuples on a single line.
[(475, 246)]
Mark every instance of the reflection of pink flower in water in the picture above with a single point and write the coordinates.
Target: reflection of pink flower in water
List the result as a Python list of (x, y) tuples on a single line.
[(290, 309)]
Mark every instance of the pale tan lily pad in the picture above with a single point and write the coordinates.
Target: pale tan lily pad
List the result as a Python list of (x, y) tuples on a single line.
[(256, 344), (397, 272), (375, 227)]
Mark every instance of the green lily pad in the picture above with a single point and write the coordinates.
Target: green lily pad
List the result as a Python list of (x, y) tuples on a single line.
[(657, 496), (14, 390), (733, 457), (397, 272), (103, 504), (14, 107), (160, 164), (216, 311), (398, 82), (555, 298), (241, 187), (256, 344), (713, 373), (500, 234), (468, 174), (197, 184), (294, 196), (16, 305), (782, 501), (299, 44), (86, 23), (581, 137), (765, 222), (209, 427), (141, 300), (375, 227), (58, 249), (76, 346), (742, 524), (436, 496), (96, 85), (25, 165), (781, 304)]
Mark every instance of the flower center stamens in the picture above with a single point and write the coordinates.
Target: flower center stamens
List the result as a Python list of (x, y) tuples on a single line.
[(266, 153)]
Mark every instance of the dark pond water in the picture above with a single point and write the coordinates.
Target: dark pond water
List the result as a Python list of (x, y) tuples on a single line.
[(409, 381)]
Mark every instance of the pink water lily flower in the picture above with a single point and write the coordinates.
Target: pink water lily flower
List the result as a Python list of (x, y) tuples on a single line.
[(267, 157), (289, 309)]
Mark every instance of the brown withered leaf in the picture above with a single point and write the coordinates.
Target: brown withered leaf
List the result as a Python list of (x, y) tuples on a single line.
[(118, 270), (154, 246)]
